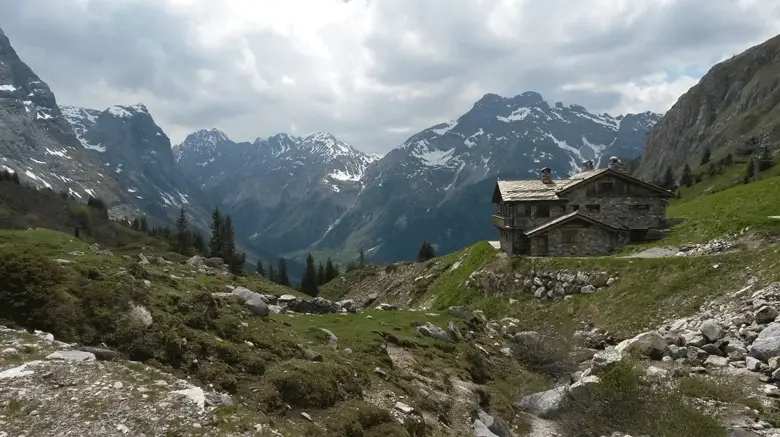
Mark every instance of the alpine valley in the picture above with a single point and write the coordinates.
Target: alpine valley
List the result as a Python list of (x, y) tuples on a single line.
[(292, 195), (297, 195)]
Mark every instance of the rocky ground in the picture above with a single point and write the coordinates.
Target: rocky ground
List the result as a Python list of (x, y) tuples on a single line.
[(57, 389)]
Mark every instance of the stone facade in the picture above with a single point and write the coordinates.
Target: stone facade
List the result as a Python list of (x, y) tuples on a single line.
[(590, 214)]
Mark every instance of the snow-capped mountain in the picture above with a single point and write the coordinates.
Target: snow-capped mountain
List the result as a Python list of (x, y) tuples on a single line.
[(290, 194), (35, 139), (436, 186), (137, 154), (282, 191)]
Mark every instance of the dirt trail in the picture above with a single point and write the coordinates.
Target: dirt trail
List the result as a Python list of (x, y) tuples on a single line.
[(542, 427)]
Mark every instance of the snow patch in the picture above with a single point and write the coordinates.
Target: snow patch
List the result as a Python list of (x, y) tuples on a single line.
[(448, 127), (10, 88), (340, 175), (36, 161), (40, 115), (8, 169), (60, 153), (118, 111), (516, 115), (131, 190), (435, 157)]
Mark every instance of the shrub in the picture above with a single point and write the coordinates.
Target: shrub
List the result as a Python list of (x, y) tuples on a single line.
[(626, 402), (314, 385), (29, 295), (477, 366), (544, 355)]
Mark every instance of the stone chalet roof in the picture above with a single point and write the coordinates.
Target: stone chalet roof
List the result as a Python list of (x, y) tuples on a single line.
[(566, 218), (535, 189)]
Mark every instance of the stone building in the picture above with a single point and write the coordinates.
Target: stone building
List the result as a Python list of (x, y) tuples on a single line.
[(591, 213)]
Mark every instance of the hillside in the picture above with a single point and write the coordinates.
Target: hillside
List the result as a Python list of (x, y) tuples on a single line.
[(737, 99), (468, 344)]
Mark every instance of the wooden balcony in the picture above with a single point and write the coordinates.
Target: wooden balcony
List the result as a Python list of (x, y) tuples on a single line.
[(501, 221)]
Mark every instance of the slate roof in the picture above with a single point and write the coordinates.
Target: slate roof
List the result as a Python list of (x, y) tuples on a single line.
[(535, 189), (566, 218)]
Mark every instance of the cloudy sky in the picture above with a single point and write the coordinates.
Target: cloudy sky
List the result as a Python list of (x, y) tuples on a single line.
[(372, 72)]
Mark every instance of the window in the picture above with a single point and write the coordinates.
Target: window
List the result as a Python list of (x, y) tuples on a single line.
[(542, 210), (569, 236), (593, 208), (639, 207), (563, 209), (528, 210), (575, 207)]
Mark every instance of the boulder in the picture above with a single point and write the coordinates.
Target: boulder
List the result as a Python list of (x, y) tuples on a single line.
[(195, 261), (243, 293), (71, 356), (214, 262), (428, 329), (767, 345), (333, 341), (712, 330), (650, 344), (766, 314), (256, 305), (100, 353), (581, 390), (547, 404)]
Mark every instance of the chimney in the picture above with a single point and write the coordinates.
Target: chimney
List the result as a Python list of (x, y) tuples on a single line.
[(616, 164), (546, 175), (587, 165)]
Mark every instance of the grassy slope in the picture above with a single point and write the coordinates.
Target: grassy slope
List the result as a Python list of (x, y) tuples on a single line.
[(648, 291), (269, 374)]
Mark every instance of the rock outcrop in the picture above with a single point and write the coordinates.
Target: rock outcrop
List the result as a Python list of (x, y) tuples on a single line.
[(726, 107)]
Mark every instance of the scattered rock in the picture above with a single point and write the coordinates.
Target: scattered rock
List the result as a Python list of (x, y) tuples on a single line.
[(71, 356)]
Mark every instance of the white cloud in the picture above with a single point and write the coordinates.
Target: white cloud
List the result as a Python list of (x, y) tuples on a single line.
[(372, 72)]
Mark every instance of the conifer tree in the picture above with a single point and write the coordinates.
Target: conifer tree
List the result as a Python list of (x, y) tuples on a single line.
[(215, 243), (668, 179), (749, 171), (426, 252), (705, 156), (321, 274), (282, 277), (135, 225), (227, 238), (362, 259), (198, 242), (183, 235), (271, 273), (687, 176), (144, 224), (309, 280), (260, 269), (331, 272)]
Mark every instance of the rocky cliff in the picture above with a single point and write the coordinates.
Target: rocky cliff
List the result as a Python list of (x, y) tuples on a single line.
[(37, 142), (735, 100)]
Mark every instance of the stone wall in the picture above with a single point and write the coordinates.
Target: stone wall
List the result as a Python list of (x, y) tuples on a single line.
[(554, 284), (591, 241), (615, 209)]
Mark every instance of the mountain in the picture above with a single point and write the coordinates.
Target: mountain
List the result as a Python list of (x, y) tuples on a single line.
[(292, 195), (737, 99), (283, 191), (138, 156), (436, 186), (36, 140)]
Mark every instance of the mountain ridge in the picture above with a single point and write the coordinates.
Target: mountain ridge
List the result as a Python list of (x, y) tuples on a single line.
[(508, 136), (735, 100)]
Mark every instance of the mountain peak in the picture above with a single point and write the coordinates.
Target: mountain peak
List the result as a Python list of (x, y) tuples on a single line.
[(121, 111), (205, 138)]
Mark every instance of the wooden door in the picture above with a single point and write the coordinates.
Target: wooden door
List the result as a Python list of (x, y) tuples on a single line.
[(541, 245)]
